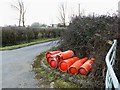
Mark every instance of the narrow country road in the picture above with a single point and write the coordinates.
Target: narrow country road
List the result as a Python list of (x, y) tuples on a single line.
[(16, 65)]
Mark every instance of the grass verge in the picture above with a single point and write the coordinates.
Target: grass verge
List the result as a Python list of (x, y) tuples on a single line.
[(27, 44), (48, 78), (52, 76)]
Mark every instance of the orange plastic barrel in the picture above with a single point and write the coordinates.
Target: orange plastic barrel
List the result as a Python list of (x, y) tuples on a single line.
[(54, 62), (73, 69), (86, 67), (53, 56), (65, 55), (65, 64), (48, 54)]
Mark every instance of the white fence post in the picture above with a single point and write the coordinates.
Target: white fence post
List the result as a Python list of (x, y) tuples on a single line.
[(111, 79)]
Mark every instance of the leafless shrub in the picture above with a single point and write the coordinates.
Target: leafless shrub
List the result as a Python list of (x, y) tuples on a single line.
[(88, 37)]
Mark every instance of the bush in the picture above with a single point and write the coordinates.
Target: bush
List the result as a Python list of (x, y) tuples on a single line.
[(88, 37), (18, 35)]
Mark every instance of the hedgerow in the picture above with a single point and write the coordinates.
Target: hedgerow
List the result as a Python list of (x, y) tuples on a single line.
[(90, 37), (18, 35)]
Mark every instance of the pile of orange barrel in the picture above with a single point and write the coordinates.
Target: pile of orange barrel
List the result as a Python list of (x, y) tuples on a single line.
[(66, 62)]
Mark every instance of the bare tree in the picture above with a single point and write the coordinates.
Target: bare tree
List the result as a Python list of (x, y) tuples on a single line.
[(23, 14), (62, 11), (19, 6)]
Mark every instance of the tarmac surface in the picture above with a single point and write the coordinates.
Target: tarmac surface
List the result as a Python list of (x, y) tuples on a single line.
[(16, 67)]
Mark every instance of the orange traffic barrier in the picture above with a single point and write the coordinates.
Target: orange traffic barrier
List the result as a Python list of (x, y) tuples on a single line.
[(56, 58), (48, 54), (73, 69), (50, 57), (54, 62), (86, 67), (65, 55), (65, 64)]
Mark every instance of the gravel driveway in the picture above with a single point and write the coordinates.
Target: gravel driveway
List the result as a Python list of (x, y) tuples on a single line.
[(16, 65)]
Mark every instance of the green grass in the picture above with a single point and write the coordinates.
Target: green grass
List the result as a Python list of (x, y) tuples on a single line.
[(50, 77), (27, 44), (59, 82)]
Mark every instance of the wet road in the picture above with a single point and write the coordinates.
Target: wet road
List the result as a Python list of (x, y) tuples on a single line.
[(16, 65)]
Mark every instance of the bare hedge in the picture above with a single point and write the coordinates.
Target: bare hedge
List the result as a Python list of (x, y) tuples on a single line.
[(90, 37), (18, 35)]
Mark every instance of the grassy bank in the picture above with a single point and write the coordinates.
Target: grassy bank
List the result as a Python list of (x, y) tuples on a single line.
[(59, 79), (49, 80), (27, 44)]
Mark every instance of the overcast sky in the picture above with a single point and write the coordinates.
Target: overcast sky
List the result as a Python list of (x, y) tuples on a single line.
[(46, 11)]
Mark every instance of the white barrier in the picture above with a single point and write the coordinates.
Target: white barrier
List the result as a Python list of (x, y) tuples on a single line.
[(111, 79)]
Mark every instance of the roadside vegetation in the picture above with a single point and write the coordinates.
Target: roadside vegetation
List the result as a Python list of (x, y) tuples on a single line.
[(47, 78), (90, 36), (16, 37), (28, 44)]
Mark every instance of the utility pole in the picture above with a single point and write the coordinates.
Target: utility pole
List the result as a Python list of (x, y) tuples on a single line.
[(79, 9)]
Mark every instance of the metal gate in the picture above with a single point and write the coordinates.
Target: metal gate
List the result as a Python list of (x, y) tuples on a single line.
[(111, 79)]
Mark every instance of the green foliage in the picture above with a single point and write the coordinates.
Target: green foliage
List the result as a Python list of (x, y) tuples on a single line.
[(38, 59), (28, 44), (19, 35), (65, 84)]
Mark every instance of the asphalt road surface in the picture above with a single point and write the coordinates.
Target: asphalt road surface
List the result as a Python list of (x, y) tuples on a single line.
[(17, 65)]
